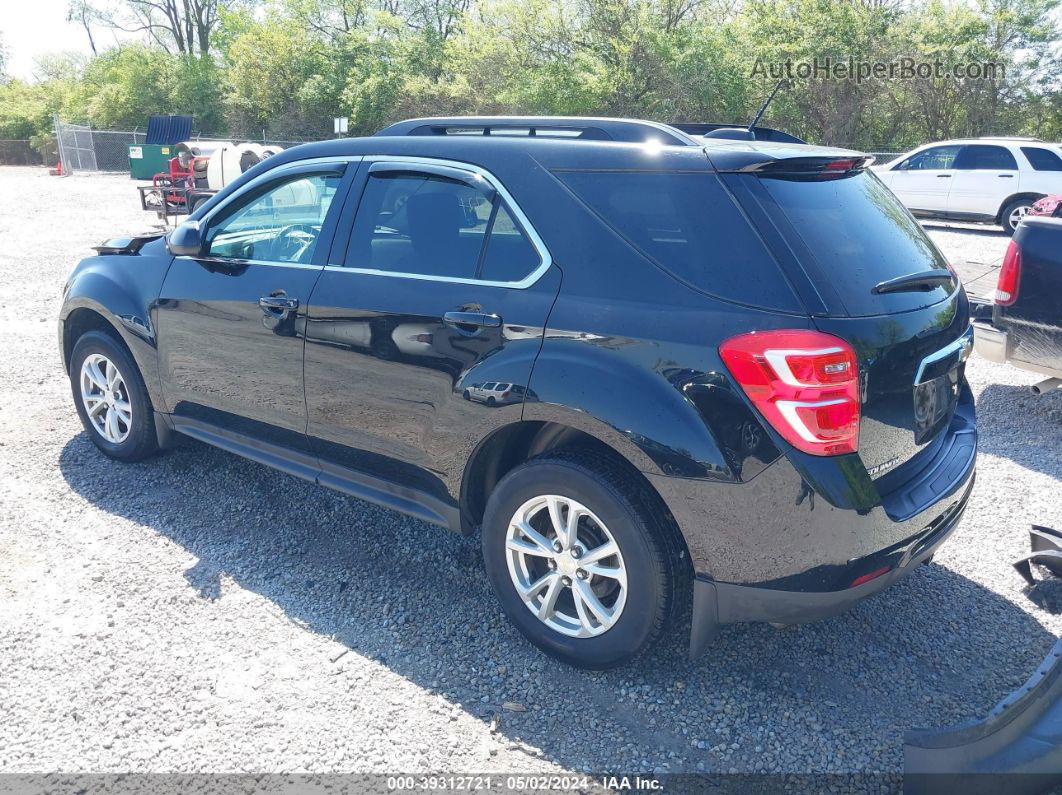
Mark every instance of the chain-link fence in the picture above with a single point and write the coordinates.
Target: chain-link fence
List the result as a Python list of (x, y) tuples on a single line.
[(881, 158), (76, 150), (83, 148)]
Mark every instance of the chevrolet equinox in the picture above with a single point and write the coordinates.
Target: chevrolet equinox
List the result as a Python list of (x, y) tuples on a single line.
[(734, 369)]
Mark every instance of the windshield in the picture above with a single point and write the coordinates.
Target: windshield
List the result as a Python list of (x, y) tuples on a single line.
[(858, 235)]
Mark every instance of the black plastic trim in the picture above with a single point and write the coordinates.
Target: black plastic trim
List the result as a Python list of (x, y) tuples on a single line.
[(936, 476), (1016, 749), (366, 487)]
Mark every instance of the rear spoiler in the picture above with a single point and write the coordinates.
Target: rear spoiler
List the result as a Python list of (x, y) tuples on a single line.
[(817, 167), (126, 245)]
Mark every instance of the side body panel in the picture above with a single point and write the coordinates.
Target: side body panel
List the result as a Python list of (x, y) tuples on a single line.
[(388, 383), (925, 189), (224, 360), (228, 362), (982, 191)]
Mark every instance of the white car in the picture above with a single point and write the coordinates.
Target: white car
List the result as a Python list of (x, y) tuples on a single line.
[(494, 393), (983, 180)]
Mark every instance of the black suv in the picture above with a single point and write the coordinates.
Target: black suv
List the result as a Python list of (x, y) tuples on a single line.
[(651, 370)]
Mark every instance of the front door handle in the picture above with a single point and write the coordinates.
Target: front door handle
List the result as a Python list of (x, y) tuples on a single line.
[(943, 176), (466, 320), (279, 303), (1005, 176)]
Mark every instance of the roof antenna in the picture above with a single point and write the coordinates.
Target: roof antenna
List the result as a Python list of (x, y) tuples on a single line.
[(763, 107)]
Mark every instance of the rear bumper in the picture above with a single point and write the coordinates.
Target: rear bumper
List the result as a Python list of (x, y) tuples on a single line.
[(997, 345), (990, 342), (718, 603)]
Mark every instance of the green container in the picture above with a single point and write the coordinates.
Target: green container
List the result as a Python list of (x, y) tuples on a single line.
[(147, 160)]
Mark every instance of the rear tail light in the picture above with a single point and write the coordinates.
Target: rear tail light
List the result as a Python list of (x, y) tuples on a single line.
[(804, 383), (1009, 276)]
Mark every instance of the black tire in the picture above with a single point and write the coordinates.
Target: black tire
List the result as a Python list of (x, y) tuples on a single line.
[(466, 395), (1009, 208), (492, 402), (656, 571), (141, 440)]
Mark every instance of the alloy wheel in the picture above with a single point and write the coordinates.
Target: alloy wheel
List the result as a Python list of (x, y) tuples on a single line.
[(1017, 214), (106, 399), (566, 566)]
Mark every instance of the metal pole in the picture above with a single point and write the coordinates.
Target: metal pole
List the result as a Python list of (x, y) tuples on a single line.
[(59, 143)]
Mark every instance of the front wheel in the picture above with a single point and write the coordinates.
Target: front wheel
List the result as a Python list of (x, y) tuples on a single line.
[(111, 398), (578, 556)]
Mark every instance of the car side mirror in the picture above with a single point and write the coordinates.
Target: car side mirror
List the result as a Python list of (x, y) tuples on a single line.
[(185, 240)]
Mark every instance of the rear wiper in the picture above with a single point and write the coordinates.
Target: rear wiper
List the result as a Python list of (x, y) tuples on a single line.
[(913, 282)]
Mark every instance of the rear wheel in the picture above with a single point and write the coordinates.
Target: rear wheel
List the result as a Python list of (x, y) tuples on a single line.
[(1014, 212), (111, 398), (579, 560)]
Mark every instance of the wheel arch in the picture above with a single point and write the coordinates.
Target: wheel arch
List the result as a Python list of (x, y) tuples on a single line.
[(1031, 195), (507, 447), (79, 322), (97, 302)]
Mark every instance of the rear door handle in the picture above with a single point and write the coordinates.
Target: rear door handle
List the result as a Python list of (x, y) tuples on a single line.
[(943, 176), (278, 302), (1005, 176), (471, 320)]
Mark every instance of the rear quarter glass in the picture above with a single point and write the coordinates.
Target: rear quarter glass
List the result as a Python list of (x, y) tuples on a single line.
[(688, 225), (850, 235)]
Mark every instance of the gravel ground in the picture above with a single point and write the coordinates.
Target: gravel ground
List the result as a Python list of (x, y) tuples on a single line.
[(201, 613)]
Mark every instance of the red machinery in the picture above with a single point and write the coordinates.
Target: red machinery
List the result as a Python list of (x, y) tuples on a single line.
[(180, 175), (181, 189)]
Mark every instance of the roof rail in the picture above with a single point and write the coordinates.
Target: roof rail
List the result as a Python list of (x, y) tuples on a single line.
[(1009, 138), (583, 128), (713, 130)]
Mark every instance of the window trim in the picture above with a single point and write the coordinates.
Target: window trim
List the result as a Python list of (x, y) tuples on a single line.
[(546, 259), (313, 165)]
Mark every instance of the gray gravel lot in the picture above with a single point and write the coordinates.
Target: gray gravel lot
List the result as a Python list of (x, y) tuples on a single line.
[(198, 612)]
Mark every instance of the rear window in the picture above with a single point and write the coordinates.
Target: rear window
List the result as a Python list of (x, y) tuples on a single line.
[(689, 226), (1042, 159), (858, 234)]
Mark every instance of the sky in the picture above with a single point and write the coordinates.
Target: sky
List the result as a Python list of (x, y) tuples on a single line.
[(31, 28)]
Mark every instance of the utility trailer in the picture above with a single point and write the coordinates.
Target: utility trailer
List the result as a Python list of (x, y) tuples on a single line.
[(172, 201)]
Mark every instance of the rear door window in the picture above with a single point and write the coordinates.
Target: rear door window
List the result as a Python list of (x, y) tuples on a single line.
[(688, 225), (979, 157), (856, 235)]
